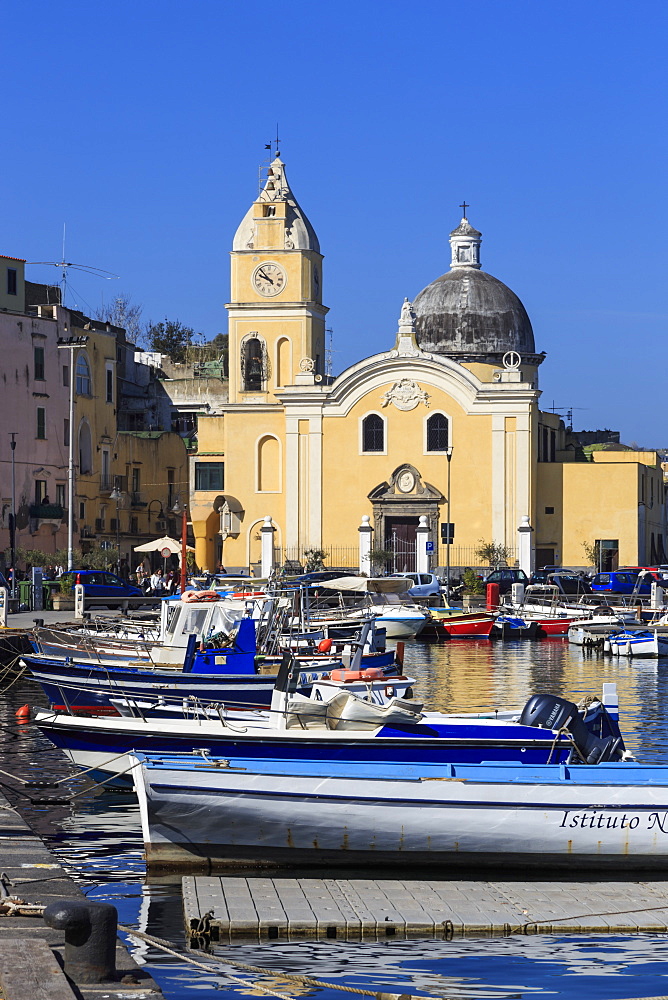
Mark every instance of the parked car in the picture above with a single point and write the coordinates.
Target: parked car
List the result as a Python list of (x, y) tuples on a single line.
[(506, 577), (424, 584), (541, 575), (568, 583), (100, 583), (619, 582)]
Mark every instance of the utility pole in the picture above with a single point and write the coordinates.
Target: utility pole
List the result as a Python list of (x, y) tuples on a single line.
[(71, 344), (12, 522)]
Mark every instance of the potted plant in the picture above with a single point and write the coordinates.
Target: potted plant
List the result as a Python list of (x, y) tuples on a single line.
[(380, 559), (474, 590), (63, 598)]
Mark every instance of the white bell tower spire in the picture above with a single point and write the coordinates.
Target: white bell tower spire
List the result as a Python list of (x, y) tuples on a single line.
[(465, 243)]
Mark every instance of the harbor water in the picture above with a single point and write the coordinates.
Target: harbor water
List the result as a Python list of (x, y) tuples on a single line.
[(97, 838)]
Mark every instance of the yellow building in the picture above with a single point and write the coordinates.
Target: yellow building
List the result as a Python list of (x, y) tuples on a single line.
[(127, 481), (456, 394)]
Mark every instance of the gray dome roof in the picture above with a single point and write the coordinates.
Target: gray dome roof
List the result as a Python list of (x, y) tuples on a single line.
[(467, 311)]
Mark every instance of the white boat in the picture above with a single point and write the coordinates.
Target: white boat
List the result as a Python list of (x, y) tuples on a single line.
[(200, 812), (385, 598), (645, 642), (343, 726)]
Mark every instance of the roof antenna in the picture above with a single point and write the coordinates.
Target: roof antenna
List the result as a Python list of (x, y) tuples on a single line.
[(64, 265)]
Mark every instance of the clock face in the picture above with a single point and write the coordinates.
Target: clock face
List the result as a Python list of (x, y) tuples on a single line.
[(269, 279)]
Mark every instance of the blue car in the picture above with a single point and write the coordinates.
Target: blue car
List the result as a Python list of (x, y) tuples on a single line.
[(619, 582), (101, 583)]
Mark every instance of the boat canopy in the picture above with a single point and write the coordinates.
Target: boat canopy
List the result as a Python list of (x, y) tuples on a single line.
[(369, 585)]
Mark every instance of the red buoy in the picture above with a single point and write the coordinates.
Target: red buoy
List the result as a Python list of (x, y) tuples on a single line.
[(324, 645), (22, 713)]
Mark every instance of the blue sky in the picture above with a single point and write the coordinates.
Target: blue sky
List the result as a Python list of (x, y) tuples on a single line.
[(141, 125)]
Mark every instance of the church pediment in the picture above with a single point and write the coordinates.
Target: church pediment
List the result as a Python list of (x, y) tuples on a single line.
[(406, 484)]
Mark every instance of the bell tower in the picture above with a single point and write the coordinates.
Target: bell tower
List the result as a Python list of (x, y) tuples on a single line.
[(276, 315)]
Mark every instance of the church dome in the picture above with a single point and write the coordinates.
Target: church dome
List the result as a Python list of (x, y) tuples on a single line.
[(467, 311)]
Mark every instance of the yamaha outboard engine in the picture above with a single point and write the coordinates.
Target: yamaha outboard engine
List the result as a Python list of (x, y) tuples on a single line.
[(549, 712)]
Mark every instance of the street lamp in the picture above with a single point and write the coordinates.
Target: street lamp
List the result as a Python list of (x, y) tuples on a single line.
[(160, 515), (182, 509), (71, 344), (12, 523), (117, 496), (448, 453)]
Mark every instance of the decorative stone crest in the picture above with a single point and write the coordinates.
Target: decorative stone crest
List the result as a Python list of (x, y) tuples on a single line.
[(406, 395), (406, 481), (307, 365)]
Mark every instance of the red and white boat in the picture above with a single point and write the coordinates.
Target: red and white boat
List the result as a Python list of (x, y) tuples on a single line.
[(451, 623)]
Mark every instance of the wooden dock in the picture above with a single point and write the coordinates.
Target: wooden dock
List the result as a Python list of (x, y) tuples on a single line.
[(224, 908)]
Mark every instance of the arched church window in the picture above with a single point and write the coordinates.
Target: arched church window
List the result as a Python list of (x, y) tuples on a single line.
[(373, 433), (252, 362), (437, 432), (85, 449), (84, 385)]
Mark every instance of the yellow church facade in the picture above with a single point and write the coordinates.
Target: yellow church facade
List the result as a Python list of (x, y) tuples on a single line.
[(444, 425)]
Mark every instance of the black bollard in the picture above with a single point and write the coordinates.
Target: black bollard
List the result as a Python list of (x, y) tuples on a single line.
[(90, 938)]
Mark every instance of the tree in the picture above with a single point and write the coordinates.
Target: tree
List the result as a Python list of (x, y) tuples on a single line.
[(170, 337), (123, 312), (220, 343), (314, 560), (592, 552), (492, 553)]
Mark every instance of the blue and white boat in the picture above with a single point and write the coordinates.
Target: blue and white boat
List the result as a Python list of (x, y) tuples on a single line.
[(643, 642), (512, 627), (196, 659), (345, 727), (202, 812)]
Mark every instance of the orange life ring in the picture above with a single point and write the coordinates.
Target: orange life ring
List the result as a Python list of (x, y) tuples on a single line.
[(199, 596), (189, 596), (372, 674), (347, 676)]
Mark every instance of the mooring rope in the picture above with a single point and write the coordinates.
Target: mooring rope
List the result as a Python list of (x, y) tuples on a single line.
[(294, 977), (586, 916)]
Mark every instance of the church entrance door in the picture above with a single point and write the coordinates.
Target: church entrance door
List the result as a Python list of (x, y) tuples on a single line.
[(401, 541)]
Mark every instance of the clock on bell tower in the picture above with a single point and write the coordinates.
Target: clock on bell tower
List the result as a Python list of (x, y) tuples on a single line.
[(276, 315)]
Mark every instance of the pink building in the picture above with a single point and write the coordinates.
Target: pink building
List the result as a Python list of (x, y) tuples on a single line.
[(35, 407)]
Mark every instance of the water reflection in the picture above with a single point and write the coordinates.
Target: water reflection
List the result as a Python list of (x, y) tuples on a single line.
[(475, 675), (98, 839)]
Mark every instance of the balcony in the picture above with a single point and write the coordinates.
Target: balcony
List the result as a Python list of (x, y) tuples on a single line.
[(138, 499), (45, 513), (109, 483)]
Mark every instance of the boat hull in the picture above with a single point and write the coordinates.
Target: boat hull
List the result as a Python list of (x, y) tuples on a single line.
[(100, 742), (87, 687), (645, 644), (473, 626), (208, 815)]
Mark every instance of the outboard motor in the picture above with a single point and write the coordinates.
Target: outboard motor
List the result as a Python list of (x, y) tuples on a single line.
[(546, 711)]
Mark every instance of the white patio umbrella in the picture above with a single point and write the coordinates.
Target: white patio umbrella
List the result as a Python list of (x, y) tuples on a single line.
[(162, 543)]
